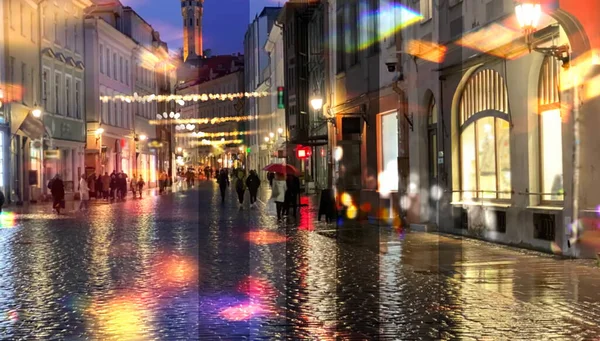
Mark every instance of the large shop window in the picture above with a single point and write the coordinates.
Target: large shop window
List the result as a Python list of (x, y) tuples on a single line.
[(485, 138), (551, 162), (389, 149)]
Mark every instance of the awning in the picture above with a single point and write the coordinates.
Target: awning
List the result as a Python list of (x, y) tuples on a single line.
[(32, 127)]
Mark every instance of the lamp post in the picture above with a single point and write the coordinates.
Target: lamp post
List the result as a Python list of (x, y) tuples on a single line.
[(37, 113)]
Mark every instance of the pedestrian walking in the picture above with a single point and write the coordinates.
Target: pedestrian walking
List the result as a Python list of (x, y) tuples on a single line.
[(162, 182), (291, 195), (1, 200), (278, 193), (122, 183), (253, 183), (140, 185), (270, 177), (84, 193), (91, 180), (105, 185), (133, 185), (240, 185), (57, 189), (114, 186), (99, 191), (223, 180)]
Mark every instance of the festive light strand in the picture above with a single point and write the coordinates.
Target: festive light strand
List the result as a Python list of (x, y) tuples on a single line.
[(201, 134), (214, 120), (216, 142), (181, 99)]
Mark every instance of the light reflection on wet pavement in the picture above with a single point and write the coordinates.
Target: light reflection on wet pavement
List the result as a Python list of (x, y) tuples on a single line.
[(183, 267)]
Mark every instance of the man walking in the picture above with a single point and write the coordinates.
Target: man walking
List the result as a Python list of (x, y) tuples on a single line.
[(253, 183), (57, 189), (223, 180)]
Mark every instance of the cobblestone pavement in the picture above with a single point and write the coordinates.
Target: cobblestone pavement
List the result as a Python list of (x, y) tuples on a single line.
[(184, 266)]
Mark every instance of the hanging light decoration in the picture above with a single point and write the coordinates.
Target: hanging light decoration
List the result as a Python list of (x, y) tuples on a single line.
[(184, 98)]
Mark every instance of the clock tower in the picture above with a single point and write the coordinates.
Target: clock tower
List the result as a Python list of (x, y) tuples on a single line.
[(191, 10)]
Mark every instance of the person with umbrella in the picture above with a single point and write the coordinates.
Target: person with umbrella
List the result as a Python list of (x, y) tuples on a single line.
[(278, 193)]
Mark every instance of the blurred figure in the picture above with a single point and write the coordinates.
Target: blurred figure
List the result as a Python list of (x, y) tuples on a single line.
[(105, 185), (133, 185), (278, 193), (57, 189), (99, 190), (292, 193), (1, 200), (140, 185), (84, 193), (114, 186), (223, 180), (162, 182), (240, 185), (122, 186), (270, 177), (253, 183), (91, 182)]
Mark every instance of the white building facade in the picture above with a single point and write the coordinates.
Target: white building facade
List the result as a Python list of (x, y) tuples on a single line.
[(110, 124), (62, 89)]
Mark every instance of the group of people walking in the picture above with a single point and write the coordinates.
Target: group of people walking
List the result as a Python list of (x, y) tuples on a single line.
[(284, 189)]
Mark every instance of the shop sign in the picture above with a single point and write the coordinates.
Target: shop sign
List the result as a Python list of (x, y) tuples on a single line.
[(51, 154)]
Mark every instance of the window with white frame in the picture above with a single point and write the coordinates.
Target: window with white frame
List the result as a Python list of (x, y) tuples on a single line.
[(107, 62), (127, 72), (550, 130), (68, 102), (426, 9), (115, 66), (121, 69), (485, 137), (78, 98), (388, 154), (57, 97), (103, 110), (34, 157), (101, 59), (45, 80)]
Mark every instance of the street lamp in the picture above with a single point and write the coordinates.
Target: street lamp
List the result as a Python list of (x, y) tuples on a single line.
[(266, 139), (143, 137), (37, 113), (529, 13), (271, 135), (316, 103), (279, 131)]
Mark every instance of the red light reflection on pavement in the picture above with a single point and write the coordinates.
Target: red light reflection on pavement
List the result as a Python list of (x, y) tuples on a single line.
[(256, 287), (242, 312)]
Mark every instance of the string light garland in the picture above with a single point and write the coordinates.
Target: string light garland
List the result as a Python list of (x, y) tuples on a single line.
[(182, 99), (216, 134), (216, 142), (214, 120)]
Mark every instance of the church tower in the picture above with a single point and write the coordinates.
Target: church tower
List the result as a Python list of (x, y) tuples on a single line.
[(191, 10)]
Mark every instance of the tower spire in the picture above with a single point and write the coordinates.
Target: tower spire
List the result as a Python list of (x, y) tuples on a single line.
[(192, 11)]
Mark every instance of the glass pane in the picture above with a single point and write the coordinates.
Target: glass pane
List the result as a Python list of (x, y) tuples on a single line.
[(552, 174), (468, 167), (389, 148), (433, 153), (433, 114), (486, 157), (503, 146)]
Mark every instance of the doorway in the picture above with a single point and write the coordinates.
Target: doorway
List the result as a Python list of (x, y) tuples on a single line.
[(433, 171)]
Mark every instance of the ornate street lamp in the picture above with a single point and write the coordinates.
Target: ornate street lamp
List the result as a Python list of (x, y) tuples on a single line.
[(529, 13), (316, 103)]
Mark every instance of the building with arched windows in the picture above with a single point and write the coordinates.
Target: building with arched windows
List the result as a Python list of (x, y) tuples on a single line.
[(504, 146)]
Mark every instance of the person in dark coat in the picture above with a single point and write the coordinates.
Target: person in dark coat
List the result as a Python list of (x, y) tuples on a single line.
[(253, 183), (270, 177), (122, 185), (223, 183), (291, 194), (57, 189), (113, 186)]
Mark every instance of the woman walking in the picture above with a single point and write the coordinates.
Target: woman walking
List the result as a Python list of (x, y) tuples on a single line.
[(84, 193), (240, 186), (278, 193)]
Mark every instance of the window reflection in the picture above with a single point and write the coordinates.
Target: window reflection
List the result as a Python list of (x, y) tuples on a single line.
[(552, 173)]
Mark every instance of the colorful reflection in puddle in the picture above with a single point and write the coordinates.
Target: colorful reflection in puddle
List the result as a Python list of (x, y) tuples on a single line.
[(174, 271), (243, 311), (8, 220), (265, 237), (123, 318)]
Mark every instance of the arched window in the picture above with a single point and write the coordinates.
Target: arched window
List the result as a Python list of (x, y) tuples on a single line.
[(550, 129), (432, 121), (485, 137)]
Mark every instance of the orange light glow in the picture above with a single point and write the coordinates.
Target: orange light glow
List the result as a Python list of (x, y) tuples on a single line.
[(366, 207), (256, 287), (122, 318), (427, 50), (494, 39), (352, 212), (265, 237), (176, 271), (346, 199)]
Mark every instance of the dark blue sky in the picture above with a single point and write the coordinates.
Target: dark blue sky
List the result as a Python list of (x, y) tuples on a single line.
[(224, 25)]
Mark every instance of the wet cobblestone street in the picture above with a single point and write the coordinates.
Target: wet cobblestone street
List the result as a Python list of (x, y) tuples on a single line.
[(183, 266)]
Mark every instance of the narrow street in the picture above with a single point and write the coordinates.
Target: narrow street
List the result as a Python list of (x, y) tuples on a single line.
[(183, 266)]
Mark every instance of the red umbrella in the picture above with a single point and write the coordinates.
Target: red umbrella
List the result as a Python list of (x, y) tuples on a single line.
[(282, 169)]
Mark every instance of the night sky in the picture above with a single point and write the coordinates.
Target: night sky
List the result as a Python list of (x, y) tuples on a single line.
[(225, 21)]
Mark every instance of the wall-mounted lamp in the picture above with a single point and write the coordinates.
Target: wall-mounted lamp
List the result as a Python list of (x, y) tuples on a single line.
[(316, 103), (37, 113), (280, 131)]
